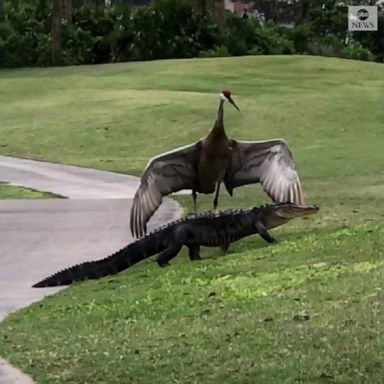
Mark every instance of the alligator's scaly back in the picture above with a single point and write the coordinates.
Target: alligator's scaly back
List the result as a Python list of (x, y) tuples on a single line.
[(133, 253)]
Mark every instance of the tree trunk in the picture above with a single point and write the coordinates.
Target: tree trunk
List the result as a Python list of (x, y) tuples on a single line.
[(305, 5), (67, 7), (220, 11), (273, 14), (56, 32), (1, 10), (201, 6)]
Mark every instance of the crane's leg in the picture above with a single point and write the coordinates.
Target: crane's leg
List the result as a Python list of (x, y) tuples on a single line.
[(216, 199), (194, 198), (194, 252)]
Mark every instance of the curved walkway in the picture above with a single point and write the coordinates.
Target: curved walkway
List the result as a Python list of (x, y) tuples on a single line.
[(39, 237)]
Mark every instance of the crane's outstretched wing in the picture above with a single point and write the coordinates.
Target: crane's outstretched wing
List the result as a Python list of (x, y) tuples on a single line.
[(169, 172), (267, 162)]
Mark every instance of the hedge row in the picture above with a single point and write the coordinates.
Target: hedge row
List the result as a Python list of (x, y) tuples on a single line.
[(168, 29)]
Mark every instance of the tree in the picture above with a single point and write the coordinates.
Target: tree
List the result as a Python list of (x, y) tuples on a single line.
[(67, 10), (201, 6), (1, 10), (305, 7), (220, 11), (56, 32)]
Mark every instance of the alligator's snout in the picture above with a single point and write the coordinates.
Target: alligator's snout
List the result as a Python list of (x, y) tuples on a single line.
[(291, 211), (282, 213)]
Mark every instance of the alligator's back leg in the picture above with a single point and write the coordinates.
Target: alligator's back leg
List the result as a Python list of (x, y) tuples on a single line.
[(194, 252), (168, 254), (262, 231)]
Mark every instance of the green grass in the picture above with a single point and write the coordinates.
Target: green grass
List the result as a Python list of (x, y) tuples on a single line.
[(116, 116), (13, 192), (307, 310)]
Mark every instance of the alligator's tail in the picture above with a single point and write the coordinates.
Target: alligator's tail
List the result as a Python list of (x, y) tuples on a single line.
[(111, 265)]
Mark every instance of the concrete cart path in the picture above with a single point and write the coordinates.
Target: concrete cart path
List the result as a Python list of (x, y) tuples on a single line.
[(67, 180), (40, 237)]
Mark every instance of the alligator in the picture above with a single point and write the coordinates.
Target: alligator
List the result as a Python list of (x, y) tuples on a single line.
[(211, 229)]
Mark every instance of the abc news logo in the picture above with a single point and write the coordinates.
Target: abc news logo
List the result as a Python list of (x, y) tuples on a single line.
[(362, 18), (362, 14)]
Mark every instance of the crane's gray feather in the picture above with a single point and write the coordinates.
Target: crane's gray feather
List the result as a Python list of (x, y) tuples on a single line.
[(269, 163), (164, 174)]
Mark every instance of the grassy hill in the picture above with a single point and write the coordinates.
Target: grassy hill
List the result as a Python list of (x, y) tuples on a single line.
[(304, 311)]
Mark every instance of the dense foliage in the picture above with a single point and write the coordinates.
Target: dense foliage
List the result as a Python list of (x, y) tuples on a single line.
[(169, 29)]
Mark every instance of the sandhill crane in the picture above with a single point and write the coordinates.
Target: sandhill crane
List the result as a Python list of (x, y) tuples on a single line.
[(199, 166), (204, 165)]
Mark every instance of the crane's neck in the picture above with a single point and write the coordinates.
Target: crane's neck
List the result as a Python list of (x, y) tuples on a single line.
[(218, 128)]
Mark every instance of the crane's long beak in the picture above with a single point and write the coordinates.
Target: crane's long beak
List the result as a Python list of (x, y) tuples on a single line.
[(233, 103)]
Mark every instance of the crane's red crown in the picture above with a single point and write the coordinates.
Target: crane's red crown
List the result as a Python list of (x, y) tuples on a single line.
[(226, 93)]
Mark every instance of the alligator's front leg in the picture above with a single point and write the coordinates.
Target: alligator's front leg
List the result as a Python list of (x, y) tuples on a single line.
[(176, 242), (262, 231), (224, 247), (194, 252)]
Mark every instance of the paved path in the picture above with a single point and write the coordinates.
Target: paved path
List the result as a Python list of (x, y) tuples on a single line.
[(39, 237), (67, 180)]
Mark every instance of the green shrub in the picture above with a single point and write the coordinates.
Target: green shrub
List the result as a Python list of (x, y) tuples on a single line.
[(332, 20), (169, 29), (329, 45), (249, 37), (221, 51), (24, 34), (357, 52), (239, 34), (105, 28), (333, 46), (300, 36), (273, 40), (77, 46), (181, 31)]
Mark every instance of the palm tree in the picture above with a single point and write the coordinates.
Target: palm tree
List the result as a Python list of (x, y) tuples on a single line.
[(220, 11), (68, 10), (201, 6), (56, 32), (218, 7)]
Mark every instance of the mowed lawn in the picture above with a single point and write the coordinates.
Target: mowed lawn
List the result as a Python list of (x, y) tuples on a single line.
[(12, 192), (307, 310)]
